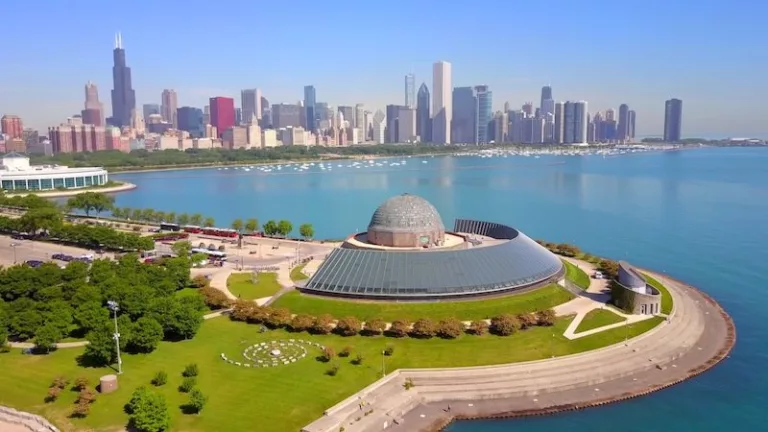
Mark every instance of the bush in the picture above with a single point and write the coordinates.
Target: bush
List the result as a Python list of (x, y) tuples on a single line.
[(345, 352), (450, 328), (348, 326), (302, 322), (241, 309), (374, 327), (81, 410), (149, 412), (527, 320), (323, 324), (81, 383), (504, 325), (53, 394), (399, 328), (333, 370), (190, 370), (196, 401), (546, 317), (160, 379), (358, 360), (424, 328), (478, 327), (328, 354), (389, 350), (216, 299), (60, 382), (187, 384), (279, 317), (609, 268), (201, 281)]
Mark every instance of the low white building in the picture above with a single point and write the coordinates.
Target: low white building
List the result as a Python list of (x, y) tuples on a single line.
[(17, 175)]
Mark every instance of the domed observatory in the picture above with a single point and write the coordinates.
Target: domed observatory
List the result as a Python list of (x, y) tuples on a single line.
[(406, 221)]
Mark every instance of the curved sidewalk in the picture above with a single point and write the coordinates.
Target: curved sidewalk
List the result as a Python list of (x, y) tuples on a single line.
[(698, 336)]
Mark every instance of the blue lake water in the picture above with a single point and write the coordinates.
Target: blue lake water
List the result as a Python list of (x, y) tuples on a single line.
[(700, 215)]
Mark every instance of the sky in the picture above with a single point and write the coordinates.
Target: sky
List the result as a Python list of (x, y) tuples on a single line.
[(711, 54)]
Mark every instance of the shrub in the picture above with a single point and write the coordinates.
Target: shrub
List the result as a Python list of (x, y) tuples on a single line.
[(323, 324), (187, 384), (399, 328), (358, 359), (60, 382), (201, 281), (345, 352), (242, 310), (450, 328), (478, 327), (333, 370), (160, 379), (328, 354), (424, 328), (348, 326), (262, 314), (279, 317), (546, 317), (408, 384), (216, 299), (302, 322), (190, 370), (504, 325), (81, 410), (609, 268), (389, 350), (86, 395), (527, 320), (374, 327), (53, 394), (196, 401), (81, 383)]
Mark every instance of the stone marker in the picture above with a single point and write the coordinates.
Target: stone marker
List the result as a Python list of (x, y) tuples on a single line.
[(108, 384)]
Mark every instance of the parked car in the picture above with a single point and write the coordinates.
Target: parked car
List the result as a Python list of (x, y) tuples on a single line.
[(34, 263)]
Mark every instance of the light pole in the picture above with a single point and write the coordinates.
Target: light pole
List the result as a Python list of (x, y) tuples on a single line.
[(383, 369), (114, 307), (13, 245)]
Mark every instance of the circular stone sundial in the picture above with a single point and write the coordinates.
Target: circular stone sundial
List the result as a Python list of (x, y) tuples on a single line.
[(274, 353)]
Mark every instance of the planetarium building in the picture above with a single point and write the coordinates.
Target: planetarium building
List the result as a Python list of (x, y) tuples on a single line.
[(407, 254)]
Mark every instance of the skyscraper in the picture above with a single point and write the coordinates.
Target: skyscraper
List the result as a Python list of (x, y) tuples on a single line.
[(284, 115), (569, 123), (442, 102), (673, 120), (310, 99), (463, 116), (222, 113), (559, 136), (250, 102), (423, 121), (484, 115), (93, 112), (410, 89), (622, 132), (168, 107), (191, 120), (12, 126), (581, 122), (123, 96), (546, 93), (632, 117)]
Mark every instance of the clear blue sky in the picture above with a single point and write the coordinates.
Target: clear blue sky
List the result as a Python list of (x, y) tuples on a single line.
[(710, 53)]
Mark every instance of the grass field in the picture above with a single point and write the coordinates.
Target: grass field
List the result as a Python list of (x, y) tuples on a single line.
[(666, 297), (598, 318), (539, 299), (241, 285), (276, 399), (576, 275), (297, 274)]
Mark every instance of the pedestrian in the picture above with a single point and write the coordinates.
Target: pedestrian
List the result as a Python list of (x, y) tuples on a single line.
[(449, 407)]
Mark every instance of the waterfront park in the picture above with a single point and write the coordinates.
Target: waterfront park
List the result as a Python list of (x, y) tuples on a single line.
[(278, 364)]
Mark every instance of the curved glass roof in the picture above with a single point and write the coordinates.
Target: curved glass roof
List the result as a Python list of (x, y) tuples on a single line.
[(514, 264), (406, 213)]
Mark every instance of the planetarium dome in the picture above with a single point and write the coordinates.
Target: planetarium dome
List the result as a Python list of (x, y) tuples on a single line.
[(406, 221)]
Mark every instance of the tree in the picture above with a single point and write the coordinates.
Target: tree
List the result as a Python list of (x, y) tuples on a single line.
[(251, 225), (374, 327), (323, 324), (478, 327), (348, 326), (209, 222), (284, 227), (450, 328), (101, 347), (609, 268), (504, 325), (302, 322), (424, 328), (35, 220), (183, 219), (307, 231), (91, 201), (196, 401), (527, 320), (170, 217), (159, 216), (399, 328), (270, 228), (214, 299), (237, 225), (47, 336), (196, 219), (149, 412), (546, 317), (146, 334), (182, 248), (279, 317)]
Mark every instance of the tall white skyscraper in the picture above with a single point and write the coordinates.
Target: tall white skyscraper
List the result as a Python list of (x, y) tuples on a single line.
[(442, 102), (250, 102), (410, 91), (168, 107), (582, 121)]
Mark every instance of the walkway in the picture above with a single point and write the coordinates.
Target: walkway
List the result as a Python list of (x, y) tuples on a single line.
[(697, 336)]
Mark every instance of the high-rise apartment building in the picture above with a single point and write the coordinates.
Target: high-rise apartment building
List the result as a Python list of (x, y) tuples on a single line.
[(359, 116), (463, 115), (12, 126), (673, 120), (168, 107), (93, 112), (123, 95), (622, 130), (406, 124), (558, 134), (484, 114), (311, 115), (423, 120), (442, 102), (410, 91), (284, 115), (222, 113), (392, 133), (631, 131), (569, 123), (581, 122), (250, 102), (191, 120), (76, 138)]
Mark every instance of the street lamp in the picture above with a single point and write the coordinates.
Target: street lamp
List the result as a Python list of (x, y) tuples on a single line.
[(13, 245), (114, 307), (383, 369)]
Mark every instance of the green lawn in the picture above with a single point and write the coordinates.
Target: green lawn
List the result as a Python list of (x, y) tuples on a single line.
[(276, 399), (539, 299), (187, 292), (241, 285), (576, 275), (598, 318), (297, 273), (666, 297)]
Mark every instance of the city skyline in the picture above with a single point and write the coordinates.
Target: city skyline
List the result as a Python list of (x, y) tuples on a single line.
[(589, 75)]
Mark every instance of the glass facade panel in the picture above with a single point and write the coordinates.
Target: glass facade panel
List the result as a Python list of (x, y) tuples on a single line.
[(20, 185), (89, 181), (33, 184), (7, 185), (79, 181), (46, 184), (58, 183), (69, 182)]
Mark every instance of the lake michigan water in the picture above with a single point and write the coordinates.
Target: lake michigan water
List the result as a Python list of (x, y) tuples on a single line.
[(699, 215)]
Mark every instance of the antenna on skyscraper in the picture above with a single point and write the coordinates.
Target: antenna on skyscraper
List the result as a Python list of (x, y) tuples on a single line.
[(118, 41)]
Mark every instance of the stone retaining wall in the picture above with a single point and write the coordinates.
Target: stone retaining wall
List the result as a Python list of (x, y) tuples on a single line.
[(30, 421)]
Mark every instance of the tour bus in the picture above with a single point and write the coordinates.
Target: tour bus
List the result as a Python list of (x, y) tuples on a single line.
[(211, 254), (165, 226)]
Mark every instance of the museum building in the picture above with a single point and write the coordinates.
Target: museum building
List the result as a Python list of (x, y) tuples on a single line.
[(17, 175)]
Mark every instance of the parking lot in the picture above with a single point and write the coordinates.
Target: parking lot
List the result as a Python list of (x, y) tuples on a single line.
[(13, 251)]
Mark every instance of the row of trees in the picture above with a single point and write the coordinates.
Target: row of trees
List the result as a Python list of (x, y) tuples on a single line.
[(608, 267), (503, 325), (27, 201), (148, 215)]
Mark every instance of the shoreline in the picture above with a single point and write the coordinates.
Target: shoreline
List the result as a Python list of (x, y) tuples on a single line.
[(122, 187), (699, 335)]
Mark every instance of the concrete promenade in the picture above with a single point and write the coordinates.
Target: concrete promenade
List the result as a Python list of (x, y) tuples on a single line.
[(697, 336)]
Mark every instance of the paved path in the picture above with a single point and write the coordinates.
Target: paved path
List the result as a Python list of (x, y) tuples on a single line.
[(675, 350)]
